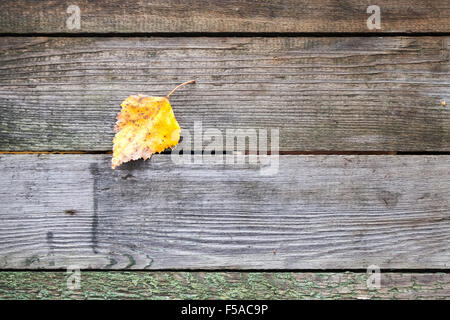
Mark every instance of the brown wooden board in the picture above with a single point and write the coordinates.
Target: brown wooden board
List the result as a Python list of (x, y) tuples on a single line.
[(243, 16)]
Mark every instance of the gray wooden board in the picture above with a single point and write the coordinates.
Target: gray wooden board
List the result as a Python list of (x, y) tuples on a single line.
[(161, 16), (345, 93), (333, 212)]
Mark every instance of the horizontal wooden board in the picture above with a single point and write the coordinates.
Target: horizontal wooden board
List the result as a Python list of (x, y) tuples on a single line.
[(345, 93), (223, 285), (332, 212), (162, 16)]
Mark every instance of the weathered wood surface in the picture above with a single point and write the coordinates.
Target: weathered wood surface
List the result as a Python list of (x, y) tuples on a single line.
[(363, 94), (162, 16), (223, 285), (317, 212)]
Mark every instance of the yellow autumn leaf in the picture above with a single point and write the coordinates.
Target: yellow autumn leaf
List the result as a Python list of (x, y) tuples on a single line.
[(145, 125)]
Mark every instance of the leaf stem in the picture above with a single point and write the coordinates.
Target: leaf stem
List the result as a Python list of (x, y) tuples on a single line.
[(179, 86)]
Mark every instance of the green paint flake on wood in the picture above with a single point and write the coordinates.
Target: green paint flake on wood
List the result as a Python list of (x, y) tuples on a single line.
[(222, 285)]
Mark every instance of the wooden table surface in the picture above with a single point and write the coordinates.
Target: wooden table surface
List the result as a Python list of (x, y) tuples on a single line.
[(363, 174)]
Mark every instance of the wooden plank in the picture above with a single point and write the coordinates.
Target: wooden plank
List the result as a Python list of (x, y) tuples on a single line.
[(356, 94), (161, 16), (223, 285), (325, 212)]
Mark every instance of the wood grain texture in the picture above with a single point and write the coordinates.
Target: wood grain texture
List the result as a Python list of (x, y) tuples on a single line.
[(332, 212), (223, 285), (356, 94), (161, 16)]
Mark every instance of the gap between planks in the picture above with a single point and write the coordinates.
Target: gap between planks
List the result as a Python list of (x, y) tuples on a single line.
[(212, 270), (336, 153), (246, 153), (226, 34)]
